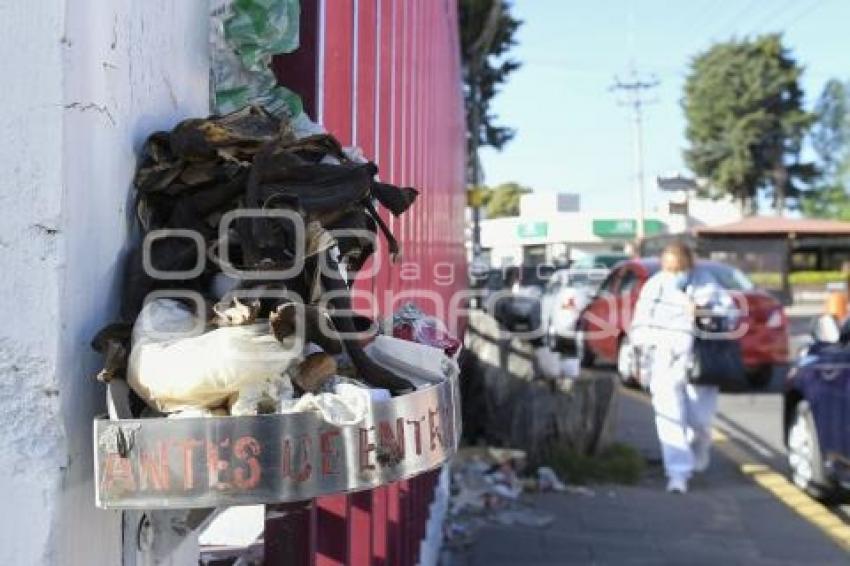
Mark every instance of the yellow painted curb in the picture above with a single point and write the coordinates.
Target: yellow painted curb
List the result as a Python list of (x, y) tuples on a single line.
[(785, 491), (776, 484)]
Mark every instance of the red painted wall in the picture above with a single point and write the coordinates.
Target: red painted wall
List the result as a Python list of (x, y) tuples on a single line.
[(386, 78), (391, 85), (384, 75)]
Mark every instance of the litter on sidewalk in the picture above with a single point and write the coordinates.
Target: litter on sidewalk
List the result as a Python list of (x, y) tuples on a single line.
[(487, 488)]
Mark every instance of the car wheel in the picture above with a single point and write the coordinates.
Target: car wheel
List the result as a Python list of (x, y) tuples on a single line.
[(626, 362), (760, 377), (804, 455), (583, 353)]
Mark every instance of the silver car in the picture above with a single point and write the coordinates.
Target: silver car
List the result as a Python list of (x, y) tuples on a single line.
[(568, 292)]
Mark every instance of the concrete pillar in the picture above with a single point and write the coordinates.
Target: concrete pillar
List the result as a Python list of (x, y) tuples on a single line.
[(84, 83)]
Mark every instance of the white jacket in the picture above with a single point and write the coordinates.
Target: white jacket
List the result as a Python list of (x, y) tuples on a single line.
[(664, 314)]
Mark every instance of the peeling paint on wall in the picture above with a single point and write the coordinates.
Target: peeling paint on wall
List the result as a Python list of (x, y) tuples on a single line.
[(108, 74)]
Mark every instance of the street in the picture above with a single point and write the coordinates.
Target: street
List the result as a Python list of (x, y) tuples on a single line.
[(753, 419), (742, 510)]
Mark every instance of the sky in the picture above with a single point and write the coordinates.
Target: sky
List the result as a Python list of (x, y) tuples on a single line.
[(572, 136)]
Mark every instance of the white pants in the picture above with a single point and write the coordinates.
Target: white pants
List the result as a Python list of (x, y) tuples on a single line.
[(683, 415)]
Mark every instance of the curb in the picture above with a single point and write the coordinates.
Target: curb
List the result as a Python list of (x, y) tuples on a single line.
[(809, 509), (789, 494)]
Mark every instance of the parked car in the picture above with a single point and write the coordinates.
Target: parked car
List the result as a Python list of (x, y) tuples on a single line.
[(602, 328), (513, 296), (598, 261), (568, 292), (817, 413)]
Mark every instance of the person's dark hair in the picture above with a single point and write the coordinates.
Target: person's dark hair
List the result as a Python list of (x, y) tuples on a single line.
[(682, 253)]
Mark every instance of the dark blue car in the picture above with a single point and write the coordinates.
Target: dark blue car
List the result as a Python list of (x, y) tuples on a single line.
[(817, 412)]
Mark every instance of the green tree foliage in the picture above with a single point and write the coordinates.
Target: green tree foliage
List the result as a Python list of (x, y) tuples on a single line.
[(487, 32), (503, 200), (745, 120), (830, 139), (831, 132), (827, 201)]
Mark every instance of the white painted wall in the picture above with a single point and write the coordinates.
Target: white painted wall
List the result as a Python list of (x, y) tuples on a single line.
[(32, 437), (84, 83)]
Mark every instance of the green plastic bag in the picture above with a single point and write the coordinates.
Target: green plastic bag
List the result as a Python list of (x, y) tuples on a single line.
[(244, 35)]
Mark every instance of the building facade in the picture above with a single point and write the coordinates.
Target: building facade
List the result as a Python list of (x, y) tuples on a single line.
[(551, 228)]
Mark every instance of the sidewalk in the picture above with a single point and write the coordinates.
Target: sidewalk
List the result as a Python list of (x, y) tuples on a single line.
[(724, 519)]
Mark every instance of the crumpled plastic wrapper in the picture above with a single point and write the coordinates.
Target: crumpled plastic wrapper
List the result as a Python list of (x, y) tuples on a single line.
[(244, 35), (411, 324)]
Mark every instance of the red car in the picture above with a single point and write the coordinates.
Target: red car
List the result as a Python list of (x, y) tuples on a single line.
[(603, 324)]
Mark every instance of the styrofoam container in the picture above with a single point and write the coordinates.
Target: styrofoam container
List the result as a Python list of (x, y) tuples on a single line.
[(418, 363)]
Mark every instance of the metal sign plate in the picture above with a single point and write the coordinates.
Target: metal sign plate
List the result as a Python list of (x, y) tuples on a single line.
[(219, 461)]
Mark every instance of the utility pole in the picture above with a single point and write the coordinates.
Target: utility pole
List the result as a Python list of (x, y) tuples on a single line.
[(634, 96)]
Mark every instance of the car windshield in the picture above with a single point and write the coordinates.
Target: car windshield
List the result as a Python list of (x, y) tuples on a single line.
[(729, 277), (494, 280), (535, 276), (529, 276), (585, 278), (601, 261)]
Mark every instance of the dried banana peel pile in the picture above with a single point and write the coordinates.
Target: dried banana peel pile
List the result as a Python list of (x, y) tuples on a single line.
[(254, 231)]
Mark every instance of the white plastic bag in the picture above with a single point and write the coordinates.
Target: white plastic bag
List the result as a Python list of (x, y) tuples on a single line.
[(174, 365), (346, 406)]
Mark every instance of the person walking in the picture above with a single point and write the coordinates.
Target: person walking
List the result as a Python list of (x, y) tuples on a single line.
[(663, 330)]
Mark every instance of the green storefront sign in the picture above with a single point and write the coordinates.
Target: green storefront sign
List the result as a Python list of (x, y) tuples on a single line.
[(625, 228), (533, 229)]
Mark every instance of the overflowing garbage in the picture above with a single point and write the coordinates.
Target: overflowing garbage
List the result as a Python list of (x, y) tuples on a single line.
[(237, 300)]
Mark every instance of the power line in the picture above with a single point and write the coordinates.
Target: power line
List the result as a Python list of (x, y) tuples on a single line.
[(704, 18), (804, 13), (571, 66), (737, 25), (736, 17), (709, 26), (633, 91), (764, 23)]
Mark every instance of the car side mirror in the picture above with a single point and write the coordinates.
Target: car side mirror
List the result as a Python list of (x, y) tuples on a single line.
[(826, 329)]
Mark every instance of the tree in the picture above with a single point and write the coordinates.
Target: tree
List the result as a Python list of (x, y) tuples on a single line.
[(831, 132), (830, 139), (486, 35), (745, 120), (827, 201), (503, 200)]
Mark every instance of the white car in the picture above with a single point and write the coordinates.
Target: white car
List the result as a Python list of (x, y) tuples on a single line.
[(568, 292)]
